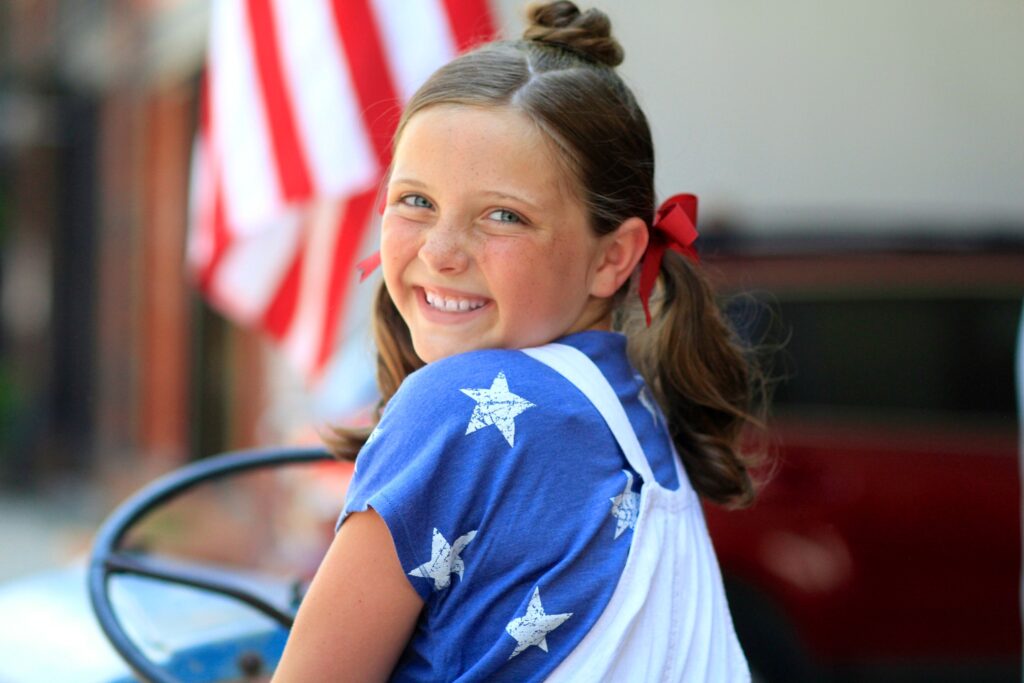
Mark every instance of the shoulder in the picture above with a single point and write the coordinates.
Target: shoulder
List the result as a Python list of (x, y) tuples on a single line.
[(442, 387), (470, 367), (444, 401)]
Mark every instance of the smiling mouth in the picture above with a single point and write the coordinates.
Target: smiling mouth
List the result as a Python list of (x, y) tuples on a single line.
[(452, 304)]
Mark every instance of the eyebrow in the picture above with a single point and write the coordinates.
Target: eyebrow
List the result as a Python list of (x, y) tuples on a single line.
[(513, 197), (407, 181)]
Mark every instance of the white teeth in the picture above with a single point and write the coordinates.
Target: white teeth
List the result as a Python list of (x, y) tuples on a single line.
[(451, 304)]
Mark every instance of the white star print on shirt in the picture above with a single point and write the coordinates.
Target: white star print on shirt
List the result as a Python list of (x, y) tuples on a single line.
[(369, 439), (496, 406), (373, 435), (444, 560), (533, 627), (625, 506), (647, 402)]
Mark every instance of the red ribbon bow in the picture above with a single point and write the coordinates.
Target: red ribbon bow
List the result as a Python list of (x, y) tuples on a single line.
[(674, 228), (368, 265), (372, 262)]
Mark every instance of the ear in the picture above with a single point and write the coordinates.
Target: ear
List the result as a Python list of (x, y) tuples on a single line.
[(619, 252)]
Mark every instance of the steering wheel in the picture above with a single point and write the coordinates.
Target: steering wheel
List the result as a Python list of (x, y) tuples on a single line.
[(108, 558)]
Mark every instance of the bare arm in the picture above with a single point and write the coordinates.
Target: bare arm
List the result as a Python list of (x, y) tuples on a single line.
[(359, 613)]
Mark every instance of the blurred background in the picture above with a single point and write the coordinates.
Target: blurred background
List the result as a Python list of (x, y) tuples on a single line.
[(864, 152)]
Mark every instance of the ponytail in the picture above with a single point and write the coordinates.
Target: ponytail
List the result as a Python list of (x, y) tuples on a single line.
[(702, 377)]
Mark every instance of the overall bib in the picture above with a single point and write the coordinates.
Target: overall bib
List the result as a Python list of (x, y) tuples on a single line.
[(668, 619)]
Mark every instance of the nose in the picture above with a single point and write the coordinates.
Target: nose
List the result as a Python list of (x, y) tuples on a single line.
[(444, 249)]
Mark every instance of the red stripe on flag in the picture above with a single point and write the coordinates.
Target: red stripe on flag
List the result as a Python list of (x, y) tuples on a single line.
[(292, 168), (375, 91), (221, 236), (471, 22), (355, 217), (278, 316), (212, 222), (359, 36)]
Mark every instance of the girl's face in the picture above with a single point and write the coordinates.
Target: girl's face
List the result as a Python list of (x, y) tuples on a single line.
[(484, 242)]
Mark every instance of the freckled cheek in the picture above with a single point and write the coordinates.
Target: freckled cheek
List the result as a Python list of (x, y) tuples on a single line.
[(523, 275), (396, 244), (397, 251)]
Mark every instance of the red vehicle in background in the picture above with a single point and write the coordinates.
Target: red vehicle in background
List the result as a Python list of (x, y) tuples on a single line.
[(887, 543)]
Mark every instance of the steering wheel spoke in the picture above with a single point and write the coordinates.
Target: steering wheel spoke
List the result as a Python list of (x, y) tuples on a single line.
[(109, 558), (213, 580)]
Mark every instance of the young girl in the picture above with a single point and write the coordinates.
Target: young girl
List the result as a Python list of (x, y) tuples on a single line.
[(527, 506)]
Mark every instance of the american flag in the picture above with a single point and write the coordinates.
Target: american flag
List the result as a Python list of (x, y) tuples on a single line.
[(299, 104)]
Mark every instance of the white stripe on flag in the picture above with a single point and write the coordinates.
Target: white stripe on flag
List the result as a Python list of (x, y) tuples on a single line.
[(239, 129), (349, 379), (330, 125), (361, 293), (418, 39), (252, 268), (302, 343)]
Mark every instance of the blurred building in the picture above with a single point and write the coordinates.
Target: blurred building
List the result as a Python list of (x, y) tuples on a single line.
[(109, 362)]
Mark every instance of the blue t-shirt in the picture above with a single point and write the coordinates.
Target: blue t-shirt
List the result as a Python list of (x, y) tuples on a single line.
[(510, 504)]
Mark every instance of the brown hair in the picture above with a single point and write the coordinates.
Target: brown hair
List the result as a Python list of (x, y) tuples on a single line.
[(561, 75)]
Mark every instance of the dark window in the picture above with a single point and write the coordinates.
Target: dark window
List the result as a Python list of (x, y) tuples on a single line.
[(899, 358)]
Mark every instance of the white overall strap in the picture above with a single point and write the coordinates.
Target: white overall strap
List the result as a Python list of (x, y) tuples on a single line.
[(576, 367)]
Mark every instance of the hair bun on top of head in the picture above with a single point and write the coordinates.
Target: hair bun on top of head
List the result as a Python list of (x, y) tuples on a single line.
[(588, 34)]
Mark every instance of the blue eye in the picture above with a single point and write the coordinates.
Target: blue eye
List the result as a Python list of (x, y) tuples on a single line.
[(416, 201), (504, 216)]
